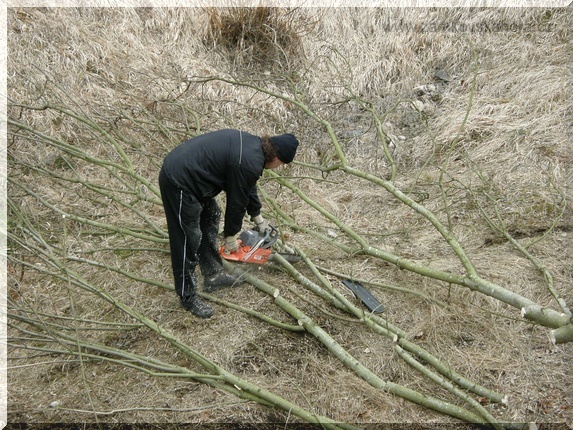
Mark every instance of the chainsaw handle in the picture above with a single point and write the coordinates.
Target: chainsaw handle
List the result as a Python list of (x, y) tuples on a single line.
[(271, 236)]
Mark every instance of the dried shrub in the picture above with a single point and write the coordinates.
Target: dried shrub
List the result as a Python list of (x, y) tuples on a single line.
[(264, 36)]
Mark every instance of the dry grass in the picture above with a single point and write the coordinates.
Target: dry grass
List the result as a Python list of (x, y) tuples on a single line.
[(259, 36), (515, 146)]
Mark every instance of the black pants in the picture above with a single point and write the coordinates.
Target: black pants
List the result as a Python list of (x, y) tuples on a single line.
[(193, 227)]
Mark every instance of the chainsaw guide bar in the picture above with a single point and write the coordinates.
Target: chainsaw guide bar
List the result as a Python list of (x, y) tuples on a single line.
[(365, 296)]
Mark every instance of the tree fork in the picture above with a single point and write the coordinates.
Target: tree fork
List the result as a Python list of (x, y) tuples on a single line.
[(544, 316), (338, 351), (390, 331)]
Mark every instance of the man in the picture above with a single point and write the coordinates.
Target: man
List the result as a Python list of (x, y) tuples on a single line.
[(193, 174)]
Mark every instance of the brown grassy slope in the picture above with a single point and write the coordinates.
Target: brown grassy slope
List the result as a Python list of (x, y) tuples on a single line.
[(132, 67)]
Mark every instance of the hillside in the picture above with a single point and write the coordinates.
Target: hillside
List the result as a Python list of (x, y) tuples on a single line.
[(434, 168)]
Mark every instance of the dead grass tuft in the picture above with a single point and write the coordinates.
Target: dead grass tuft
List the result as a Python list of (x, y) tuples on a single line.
[(263, 36)]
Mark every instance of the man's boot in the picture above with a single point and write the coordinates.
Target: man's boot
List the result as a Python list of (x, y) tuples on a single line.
[(197, 307), (219, 280)]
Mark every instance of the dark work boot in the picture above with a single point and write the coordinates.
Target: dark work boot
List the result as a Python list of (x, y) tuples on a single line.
[(197, 307), (218, 281)]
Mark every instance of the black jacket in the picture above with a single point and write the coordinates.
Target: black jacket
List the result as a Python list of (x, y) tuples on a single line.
[(224, 160)]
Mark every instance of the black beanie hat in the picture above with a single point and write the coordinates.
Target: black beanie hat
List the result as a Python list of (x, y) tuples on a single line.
[(285, 146)]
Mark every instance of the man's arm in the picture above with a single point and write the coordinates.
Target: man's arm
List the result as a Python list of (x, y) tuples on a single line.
[(240, 185), (254, 205)]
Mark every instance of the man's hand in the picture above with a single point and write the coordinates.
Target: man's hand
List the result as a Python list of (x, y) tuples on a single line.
[(231, 244), (261, 223)]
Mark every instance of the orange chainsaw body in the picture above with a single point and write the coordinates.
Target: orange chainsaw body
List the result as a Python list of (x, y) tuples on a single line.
[(244, 255), (254, 247)]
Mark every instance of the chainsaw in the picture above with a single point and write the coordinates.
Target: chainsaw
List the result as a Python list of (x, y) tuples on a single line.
[(255, 247)]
